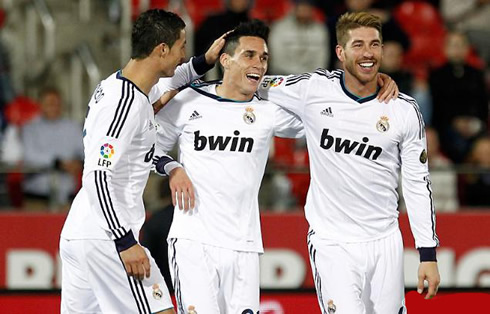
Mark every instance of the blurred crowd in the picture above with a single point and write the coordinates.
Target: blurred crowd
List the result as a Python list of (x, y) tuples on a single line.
[(437, 51)]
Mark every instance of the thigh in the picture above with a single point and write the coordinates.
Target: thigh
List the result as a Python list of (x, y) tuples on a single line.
[(77, 296), (117, 292), (195, 277), (239, 282), (338, 273), (386, 284)]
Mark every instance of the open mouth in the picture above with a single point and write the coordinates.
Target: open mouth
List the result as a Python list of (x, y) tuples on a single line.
[(253, 77), (366, 65)]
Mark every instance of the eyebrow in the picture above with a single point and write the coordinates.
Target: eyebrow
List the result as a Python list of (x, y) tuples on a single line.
[(255, 51), (361, 41)]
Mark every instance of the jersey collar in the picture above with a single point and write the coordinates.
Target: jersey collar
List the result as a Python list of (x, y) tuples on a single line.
[(121, 77), (354, 96), (198, 88)]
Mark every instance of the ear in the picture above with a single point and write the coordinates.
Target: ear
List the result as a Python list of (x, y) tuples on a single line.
[(224, 60), (339, 50), (162, 50)]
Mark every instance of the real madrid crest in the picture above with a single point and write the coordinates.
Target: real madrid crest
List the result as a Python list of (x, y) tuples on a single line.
[(249, 116), (157, 293), (423, 156), (383, 125)]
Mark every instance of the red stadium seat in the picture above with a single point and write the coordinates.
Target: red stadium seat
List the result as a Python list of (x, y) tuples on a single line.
[(270, 10), (199, 10), (426, 30), (159, 4), (21, 110), (18, 112)]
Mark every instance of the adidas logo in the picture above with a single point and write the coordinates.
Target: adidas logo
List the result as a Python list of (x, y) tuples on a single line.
[(327, 112), (195, 115)]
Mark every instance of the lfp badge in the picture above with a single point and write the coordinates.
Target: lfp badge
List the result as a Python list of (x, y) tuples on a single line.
[(106, 151)]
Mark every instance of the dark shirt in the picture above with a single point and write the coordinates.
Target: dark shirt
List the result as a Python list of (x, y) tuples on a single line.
[(457, 90), (215, 26)]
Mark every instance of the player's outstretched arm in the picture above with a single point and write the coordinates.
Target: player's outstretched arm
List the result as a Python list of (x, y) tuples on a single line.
[(136, 262), (428, 271), (389, 89), (166, 97), (181, 188)]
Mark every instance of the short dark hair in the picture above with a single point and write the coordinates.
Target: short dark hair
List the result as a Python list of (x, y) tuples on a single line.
[(152, 28), (353, 20), (254, 28)]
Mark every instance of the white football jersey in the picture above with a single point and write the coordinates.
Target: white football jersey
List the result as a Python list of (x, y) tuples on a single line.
[(223, 146), (119, 143), (356, 148)]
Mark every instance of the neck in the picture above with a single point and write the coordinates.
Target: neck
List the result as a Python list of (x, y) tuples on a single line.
[(142, 73), (231, 91), (359, 88)]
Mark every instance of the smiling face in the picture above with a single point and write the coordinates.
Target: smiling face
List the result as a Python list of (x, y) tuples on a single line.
[(244, 70), (361, 55), (174, 56)]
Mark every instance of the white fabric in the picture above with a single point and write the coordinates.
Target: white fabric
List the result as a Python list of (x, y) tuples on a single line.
[(214, 280), (354, 166), (359, 278), (225, 158), (119, 142), (95, 281), (110, 202)]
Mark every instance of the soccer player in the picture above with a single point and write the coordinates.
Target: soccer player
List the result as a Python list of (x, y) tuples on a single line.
[(104, 268), (357, 146), (224, 133)]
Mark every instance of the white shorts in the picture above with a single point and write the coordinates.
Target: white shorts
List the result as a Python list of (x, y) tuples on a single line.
[(358, 278), (214, 280), (94, 281)]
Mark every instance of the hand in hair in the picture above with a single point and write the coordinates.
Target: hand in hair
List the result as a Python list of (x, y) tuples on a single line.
[(213, 52)]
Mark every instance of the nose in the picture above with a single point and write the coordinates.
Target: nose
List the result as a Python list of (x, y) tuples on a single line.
[(367, 52), (260, 63)]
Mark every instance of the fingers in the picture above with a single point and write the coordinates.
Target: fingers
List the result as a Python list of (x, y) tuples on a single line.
[(212, 53), (420, 285), (128, 269), (186, 198), (192, 197), (432, 291), (146, 267), (138, 271), (192, 310), (182, 189), (136, 262), (174, 196), (388, 92)]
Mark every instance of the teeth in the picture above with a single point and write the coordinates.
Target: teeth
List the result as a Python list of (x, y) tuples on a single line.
[(254, 76), (366, 64)]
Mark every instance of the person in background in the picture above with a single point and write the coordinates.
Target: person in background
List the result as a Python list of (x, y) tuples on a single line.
[(298, 42), (476, 186), (236, 11), (459, 98), (52, 147)]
